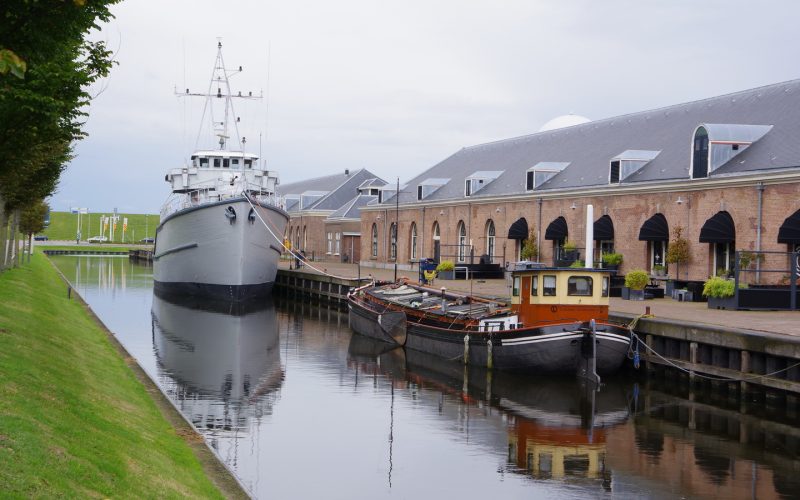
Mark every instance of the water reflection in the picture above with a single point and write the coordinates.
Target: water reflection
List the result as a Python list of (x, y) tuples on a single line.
[(219, 362), (287, 394)]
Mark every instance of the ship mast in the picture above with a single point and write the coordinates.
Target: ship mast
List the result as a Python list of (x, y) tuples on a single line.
[(220, 121)]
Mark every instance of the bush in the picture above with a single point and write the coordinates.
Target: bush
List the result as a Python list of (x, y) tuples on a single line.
[(659, 267), (577, 264), (612, 259), (719, 288), (678, 249), (569, 246), (530, 251), (637, 279), (445, 265)]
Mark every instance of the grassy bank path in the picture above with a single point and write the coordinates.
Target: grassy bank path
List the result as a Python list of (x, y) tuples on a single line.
[(77, 419)]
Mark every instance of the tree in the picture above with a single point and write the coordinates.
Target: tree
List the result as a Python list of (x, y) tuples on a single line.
[(46, 68), (31, 221), (678, 251), (530, 250)]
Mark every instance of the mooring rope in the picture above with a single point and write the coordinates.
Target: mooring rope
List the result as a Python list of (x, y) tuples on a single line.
[(295, 255), (700, 375)]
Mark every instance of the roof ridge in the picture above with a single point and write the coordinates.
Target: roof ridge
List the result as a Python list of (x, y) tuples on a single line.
[(625, 115)]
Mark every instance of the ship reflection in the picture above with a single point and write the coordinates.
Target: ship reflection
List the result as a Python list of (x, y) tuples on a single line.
[(556, 428), (219, 362)]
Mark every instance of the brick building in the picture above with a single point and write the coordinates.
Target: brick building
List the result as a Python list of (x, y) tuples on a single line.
[(325, 213), (726, 170)]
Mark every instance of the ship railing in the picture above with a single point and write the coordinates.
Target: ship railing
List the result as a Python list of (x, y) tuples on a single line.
[(216, 191)]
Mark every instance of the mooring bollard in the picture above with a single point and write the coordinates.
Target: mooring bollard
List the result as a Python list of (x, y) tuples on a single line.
[(466, 349), (489, 360)]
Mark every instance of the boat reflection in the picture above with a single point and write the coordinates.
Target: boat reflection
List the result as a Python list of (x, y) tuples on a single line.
[(218, 361), (556, 427)]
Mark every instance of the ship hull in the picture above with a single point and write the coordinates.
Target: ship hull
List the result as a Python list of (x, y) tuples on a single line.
[(559, 348), (205, 251)]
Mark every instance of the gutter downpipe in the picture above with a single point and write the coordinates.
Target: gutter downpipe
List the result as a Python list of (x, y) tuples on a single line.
[(539, 231), (760, 188)]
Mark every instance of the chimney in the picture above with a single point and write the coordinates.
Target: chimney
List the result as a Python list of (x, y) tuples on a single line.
[(347, 171)]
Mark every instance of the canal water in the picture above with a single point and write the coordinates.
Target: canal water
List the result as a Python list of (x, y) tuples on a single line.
[(300, 407)]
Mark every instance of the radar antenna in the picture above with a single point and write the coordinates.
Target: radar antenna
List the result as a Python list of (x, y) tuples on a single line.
[(220, 119)]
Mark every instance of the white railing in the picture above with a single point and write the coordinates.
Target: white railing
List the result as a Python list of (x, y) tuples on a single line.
[(214, 192)]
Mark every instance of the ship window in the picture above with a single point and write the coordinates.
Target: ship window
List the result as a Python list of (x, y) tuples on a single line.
[(549, 288), (204, 162), (535, 285), (605, 286), (225, 163), (235, 161), (515, 288), (579, 285), (216, 162), (248, 163)]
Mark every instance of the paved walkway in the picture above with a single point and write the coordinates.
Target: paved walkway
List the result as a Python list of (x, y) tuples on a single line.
[(784, 322)]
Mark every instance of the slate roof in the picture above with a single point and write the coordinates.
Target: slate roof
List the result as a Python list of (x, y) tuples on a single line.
[(589, 147), (339, 189), (352, 209)]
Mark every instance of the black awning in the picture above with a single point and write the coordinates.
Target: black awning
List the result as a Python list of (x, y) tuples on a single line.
[(718, 229), (518, 230), (790, 230), (654, 229), (604, 229), (557, 230)]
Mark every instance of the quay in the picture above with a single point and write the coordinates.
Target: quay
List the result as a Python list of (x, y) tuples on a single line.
[(744, 348)]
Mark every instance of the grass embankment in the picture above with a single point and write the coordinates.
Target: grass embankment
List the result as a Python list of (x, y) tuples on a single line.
[(108, 247), (63, 226), (75, 420)]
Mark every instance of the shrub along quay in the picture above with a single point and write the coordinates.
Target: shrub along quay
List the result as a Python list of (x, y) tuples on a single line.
[(78, 417)]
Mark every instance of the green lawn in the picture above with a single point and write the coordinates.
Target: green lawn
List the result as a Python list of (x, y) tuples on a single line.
[(74, 419), (63, 226)]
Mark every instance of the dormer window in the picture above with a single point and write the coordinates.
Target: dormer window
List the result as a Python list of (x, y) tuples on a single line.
[(541, 173), (715, 144), (478, 180), (429, 186), (628, 163)]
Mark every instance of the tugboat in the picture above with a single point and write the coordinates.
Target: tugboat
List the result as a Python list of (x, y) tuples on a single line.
[(555, 323), (220, 230)]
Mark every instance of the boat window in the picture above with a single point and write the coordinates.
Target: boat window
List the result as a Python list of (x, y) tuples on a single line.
[(535, 285), (235, 161), (248, 163), (515, 288), (204, 162), (225, 163), (549, 286), (605, 286), (216, 162), (579, 285)]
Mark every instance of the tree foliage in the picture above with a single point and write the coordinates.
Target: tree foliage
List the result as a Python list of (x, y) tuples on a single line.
[(46, 68), (32, 217), (678, 250), (530, 251)]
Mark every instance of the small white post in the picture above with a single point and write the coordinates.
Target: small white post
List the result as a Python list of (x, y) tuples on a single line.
[(589, 249)]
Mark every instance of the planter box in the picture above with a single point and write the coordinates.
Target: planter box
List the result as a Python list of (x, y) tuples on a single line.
[(629, 294), (446, 275), (728, 303)]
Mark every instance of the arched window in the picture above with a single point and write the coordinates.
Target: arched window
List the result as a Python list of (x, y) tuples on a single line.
[(413, 240), (462, 241), (490, 239), (393, 241), (436, 245), (374, 240), (305, 238), (720, 232), (700, 154), (297, 238)]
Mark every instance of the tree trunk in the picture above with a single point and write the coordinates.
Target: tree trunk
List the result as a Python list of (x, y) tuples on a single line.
[(3, 234), (30, 247), (14, 242)]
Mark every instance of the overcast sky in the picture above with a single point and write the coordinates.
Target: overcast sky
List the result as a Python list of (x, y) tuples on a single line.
[(397, 87)]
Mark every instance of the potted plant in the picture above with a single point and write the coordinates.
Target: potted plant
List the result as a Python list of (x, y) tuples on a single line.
[(569, 254), (659, 270), (612, 261), (446, 270), (720, 293), (635, 281), (678, 251), (578, 264), (530, 251)]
